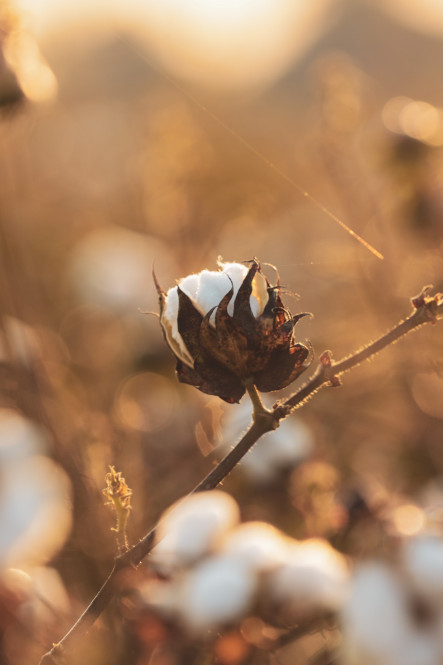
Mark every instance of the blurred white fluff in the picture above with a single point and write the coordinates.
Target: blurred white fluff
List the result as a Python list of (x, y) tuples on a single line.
[(218, 591), (206, 289), (422, 559), (218, 570), (46, 598), (111, 266), (259, 545), (314, 579), (285, 447), (377, 625), (17, 340), (35, 495), (193, 527)]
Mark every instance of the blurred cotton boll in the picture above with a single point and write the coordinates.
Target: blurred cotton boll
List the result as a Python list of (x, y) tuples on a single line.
[(284, 448), (422, 559), (259, 545), (33, 603), (313, 580), (112, 267), (19, 438), (234, 44), (192, 528), (377, 623), (35, 495), (217, 592), (42, 590)]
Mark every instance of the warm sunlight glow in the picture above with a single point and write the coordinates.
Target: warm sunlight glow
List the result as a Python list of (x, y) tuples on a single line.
[(35, 77), (218, 44), (414, 118), (422, 15), (232, 43)]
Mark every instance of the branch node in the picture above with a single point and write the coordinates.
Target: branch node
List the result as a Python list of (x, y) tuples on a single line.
[(327, 368), (280, 411), (428, 306)]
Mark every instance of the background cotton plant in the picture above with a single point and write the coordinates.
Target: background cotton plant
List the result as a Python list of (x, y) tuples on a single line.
[(274, 455), (220, 573), (129, 167)]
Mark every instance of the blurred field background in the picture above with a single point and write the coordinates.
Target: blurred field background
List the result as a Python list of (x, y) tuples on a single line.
[(155, 132)]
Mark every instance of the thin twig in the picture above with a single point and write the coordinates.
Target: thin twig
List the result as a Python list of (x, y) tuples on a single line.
[(428, 309)]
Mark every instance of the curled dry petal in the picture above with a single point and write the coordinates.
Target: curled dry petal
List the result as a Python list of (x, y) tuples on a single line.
[(228, 327)]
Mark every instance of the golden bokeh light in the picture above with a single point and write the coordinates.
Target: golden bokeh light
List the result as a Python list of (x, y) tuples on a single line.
[(408, 520), (146, 402)]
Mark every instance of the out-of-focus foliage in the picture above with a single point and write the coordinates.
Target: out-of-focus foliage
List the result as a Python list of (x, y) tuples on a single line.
[(124, 169)]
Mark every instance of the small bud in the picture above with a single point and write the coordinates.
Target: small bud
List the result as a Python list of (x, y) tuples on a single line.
[(119, 497), (229, 327)]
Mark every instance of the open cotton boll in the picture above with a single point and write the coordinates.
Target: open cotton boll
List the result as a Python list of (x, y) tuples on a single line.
[(376, 623), (216, 592), (313, 580), (206, 289), (259, 545), (422, 559), (210, 286), (193, 527), (227, 336)]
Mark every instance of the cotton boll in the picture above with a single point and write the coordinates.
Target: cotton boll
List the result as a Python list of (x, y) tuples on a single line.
[(225, 336), (170, 327), (285, 447), (208, 287), (259, 297), (35, 511), (193, 527), (422, 559), (35, 501), (259, 545), (110, 267), (313, 580), (376, 624), (19, 437), (212, 286), (218, 591)]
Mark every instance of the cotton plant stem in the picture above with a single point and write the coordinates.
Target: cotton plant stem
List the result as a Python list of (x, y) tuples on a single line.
[(427, 310), (257, 404)]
